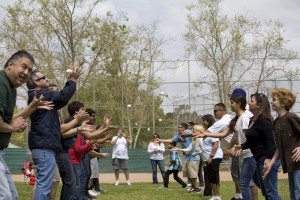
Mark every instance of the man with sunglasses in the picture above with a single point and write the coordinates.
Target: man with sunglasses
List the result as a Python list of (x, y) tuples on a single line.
[(44, 137)]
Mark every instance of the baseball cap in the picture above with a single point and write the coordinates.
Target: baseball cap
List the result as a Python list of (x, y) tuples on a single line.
[(238, 91)]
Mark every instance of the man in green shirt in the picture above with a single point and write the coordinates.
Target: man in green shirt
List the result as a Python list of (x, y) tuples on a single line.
[(16, 72)]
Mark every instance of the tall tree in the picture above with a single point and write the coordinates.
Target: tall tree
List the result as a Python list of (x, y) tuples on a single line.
[(229, 48)]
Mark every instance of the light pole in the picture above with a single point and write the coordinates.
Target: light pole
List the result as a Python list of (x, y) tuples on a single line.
[(153, 103)]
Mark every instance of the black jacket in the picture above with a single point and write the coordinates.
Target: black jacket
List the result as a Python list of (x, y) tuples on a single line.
[(45, 124)]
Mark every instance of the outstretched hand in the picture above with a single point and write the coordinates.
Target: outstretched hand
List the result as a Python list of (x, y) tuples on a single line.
[(81, 115), (40, 104), (236, 151)]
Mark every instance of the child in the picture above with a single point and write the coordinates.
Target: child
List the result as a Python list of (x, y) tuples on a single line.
[(174, 167), (286, 131)]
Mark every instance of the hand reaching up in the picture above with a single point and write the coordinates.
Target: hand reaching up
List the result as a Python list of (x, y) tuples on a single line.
[(76, 72)]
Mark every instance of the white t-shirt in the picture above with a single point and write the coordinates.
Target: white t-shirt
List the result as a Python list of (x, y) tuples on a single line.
[(220, 125), (207, 147), (156, 155), (120, 148), (240, 128)]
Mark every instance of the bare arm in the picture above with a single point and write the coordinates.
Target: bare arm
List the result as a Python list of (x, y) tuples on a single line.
[(16, 125), (218, 135), (185, 134), (165, 140)]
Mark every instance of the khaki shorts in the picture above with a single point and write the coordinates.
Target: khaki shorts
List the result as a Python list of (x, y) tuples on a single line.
[(192, 168)]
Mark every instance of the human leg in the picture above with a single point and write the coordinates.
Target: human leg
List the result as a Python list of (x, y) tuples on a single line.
[(269, 184), (166, 177), (178, 179), (294, 184), (44, 160), (200, 175), (235, 174), (161, 165), (67, 175), (154, 170), (56, 180), (7, 188), (247, 171), (207, 187)]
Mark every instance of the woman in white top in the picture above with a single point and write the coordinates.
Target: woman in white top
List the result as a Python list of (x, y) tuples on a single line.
[(156, 150)]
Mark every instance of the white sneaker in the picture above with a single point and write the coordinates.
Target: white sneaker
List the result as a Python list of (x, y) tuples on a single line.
[(128, 183), (92, 193), (96, 192), (215, 198), (117, 183), (189, 185)]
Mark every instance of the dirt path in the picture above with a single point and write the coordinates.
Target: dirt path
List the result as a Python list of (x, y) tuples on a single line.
[(144, 177)]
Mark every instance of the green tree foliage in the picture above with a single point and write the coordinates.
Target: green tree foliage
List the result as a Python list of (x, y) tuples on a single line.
[(117, 60)]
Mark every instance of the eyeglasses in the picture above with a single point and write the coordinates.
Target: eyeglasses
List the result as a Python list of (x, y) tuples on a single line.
[(41, 78)]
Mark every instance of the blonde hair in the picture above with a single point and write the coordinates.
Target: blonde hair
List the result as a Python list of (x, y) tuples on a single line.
[(285, 96), (197, 127)]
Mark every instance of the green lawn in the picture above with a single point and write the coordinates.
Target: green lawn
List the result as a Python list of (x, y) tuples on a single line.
[(146, 191)]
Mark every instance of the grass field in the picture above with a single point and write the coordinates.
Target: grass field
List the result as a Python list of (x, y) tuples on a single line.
[(148, 191)]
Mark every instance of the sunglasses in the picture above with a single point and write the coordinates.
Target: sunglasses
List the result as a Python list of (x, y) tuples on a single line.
[(41, 78)]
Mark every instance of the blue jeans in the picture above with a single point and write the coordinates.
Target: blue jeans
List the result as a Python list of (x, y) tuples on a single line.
[(67, 175), (161, 166), (79, 177), (7, 187), (248, 171), (294, 184), (269, 184), (87, 174), (44, 160)]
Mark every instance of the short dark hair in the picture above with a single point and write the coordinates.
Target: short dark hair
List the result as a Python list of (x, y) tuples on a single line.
[(184, 125), (30, 83), (18, 55), (222, 105), (173, 144), (74, 106), (90, 111)]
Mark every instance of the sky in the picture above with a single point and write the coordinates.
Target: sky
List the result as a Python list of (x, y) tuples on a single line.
[(171, 18)]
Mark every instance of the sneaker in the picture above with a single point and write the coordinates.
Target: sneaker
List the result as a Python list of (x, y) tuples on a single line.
[(163, 187), (92, 193), (234, 198), (184, 186), (194, 190), (215, 198), (96, 192), (189, 185), (128, 183), (101, 190), (201, 188), (117, 183)]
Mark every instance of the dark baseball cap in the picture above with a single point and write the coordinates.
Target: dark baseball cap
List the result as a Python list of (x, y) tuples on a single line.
[(238, 91)]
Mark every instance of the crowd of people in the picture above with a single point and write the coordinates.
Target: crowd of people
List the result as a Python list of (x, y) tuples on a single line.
[(69, 149)]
